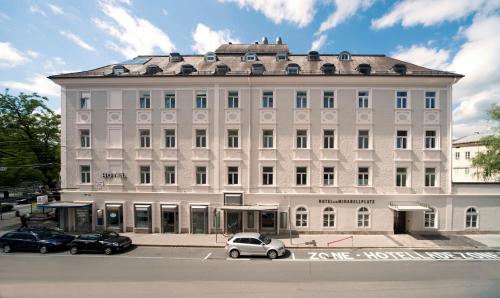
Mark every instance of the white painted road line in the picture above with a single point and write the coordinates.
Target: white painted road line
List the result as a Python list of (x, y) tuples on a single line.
[(209, 254), (239, 259)]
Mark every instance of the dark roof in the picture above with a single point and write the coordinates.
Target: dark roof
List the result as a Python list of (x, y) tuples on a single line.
[(232, 56)]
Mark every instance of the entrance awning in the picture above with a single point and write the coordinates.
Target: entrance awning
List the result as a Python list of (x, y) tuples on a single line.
[(61, 205), (250, 208), (408, 206)]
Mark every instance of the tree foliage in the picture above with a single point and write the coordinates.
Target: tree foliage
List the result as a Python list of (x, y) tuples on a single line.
[(487, 163), (29, 140)]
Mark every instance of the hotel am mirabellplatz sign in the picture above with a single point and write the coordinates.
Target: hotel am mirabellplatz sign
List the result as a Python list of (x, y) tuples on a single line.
[(344, 201)]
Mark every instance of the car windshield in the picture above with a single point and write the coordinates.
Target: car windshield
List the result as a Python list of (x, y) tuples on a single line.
[(110, 235), (45, 235), (264, 238)]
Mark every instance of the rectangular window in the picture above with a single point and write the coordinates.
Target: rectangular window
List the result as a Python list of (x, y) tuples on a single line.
[(267, 139), (267, 99), (328, 100), (328, 138), (467, 155), (457, 155), (301, 176), (85, 100), (402, 139), (363, 176), (170, 138), (232, 176), (328, 176), (430, 177), (169, 100), (402, 100), (267, 176), (84, 138), (142, 216), (430, 100), (430, 139), (363, 139), (144, 100), (232, 99), (144, 138), (170, 175), (401, 177), (85, 174), (201, 138), (363, 97), (232, 138), (301, 138), (201, 100), (145, 174), (301, 100), (201, 175)]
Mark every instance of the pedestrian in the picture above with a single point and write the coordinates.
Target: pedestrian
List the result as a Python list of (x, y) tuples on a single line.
[(24, 221)]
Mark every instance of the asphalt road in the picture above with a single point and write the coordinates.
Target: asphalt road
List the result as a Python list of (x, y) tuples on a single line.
[(181, 272)]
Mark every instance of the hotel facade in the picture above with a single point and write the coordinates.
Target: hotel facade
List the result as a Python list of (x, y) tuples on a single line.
[(255, 138)]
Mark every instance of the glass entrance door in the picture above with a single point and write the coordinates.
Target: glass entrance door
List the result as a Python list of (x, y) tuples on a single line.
[(83, 218), (268, 221), (233, 221), (199, 219), (169, 219), (114, 217)]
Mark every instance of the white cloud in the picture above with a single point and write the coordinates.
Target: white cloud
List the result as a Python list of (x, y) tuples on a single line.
[(344, 10), (35, 9), (298, 12), (165, 12), (424, 56), (207, 40), (135, 36), (54, 65), (38, 83), (318, 43), (4, 17), (33, 54), (10, 56), (56, 9), (431, 12), (77, 40)]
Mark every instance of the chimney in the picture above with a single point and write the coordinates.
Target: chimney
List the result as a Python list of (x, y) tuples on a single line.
[(278, 40), (264, 40)]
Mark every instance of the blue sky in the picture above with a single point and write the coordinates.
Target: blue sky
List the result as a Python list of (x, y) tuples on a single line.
[(39, 38)]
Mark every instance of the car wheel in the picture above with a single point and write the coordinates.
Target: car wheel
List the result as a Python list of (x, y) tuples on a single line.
[(108, 251), (44, 249), (234, 254), (7, 249), (73, 250), (272, 254)]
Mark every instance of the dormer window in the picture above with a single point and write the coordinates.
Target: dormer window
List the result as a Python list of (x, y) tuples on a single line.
[(210, 57), (313, 56), (328, 68), (282, 56), (152, 69), (292, 69), (257, 69), (365, 68), (187, 69), (344, 56), (118, 70), (399, 68), (250, 57), (221, 69), (175, 57)]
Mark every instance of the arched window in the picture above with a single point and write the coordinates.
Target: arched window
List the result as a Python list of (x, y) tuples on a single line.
[(430, 219), (329, 217), (471, 217), (301, 217), (363, 217)]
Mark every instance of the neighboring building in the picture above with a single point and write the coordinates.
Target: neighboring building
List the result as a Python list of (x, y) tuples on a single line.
[(255, 138), (464, 150)]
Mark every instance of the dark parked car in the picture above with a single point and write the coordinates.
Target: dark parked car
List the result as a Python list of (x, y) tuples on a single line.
[(42, 240), (6, 207), (106, 242)]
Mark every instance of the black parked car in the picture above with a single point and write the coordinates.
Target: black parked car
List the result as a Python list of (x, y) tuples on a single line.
[(106, 242), (42, 240)]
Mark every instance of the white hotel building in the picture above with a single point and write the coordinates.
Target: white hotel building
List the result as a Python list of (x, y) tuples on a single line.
[(255, 138)]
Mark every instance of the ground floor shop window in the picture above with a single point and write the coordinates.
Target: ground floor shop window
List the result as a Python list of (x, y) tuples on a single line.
[(199, 219), (471, 217), (83, 221), (363, 217), (268, 220), (283, 220), (250, 220), (114, 216), (142, 216), (430, 218), (169, 218)]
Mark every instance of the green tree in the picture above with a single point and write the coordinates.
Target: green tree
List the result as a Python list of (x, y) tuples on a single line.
[(29, 140), (487, 163)]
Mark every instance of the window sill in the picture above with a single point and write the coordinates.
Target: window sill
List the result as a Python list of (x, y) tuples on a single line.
[(267, 186)]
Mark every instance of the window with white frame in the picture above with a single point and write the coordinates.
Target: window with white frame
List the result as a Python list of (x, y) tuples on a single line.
[(170, 175), (250, 57), (328, 99), (267, 138), (430, 139), (328, 217), (430, 177), (402, 139), (201, 100), (301, 100), (457, 155), (301, 217), (144, 138), (328, 176), (430, 218), (363, 139), (328, 139), (169, 100), (201, 138), (301, 139), (344, 57), (430, 100), (471, 218), (84, 100), (233, 138), (232, 100), (85, 174), (363, 217), (267, 176), (292, 70), (363, 176), (84, 138), (144, 99), (467, 155), (232, 175), (401, 177), (201, 175), (401, 100), (301, 175), (169, 138), (145, 174), (267, 100), (363, 99)]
